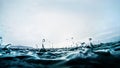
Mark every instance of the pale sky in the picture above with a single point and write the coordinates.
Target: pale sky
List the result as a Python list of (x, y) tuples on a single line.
[(27, 22)]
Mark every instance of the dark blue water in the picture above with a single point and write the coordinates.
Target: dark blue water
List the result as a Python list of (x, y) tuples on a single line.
[(103, 55)]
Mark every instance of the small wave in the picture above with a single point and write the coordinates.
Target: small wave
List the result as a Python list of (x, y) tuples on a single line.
[(103, 55)]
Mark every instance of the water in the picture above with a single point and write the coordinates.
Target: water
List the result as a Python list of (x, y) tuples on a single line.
[(102, 55)]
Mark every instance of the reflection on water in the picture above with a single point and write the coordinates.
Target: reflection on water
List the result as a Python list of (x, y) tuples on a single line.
[(100, 55)]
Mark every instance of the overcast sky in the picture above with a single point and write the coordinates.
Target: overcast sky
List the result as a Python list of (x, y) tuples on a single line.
[(26, 22)]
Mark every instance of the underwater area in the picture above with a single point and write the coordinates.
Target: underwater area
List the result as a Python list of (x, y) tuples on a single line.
[(103, 55)]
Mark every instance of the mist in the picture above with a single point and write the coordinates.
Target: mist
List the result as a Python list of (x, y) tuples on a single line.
[(27, 22)]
